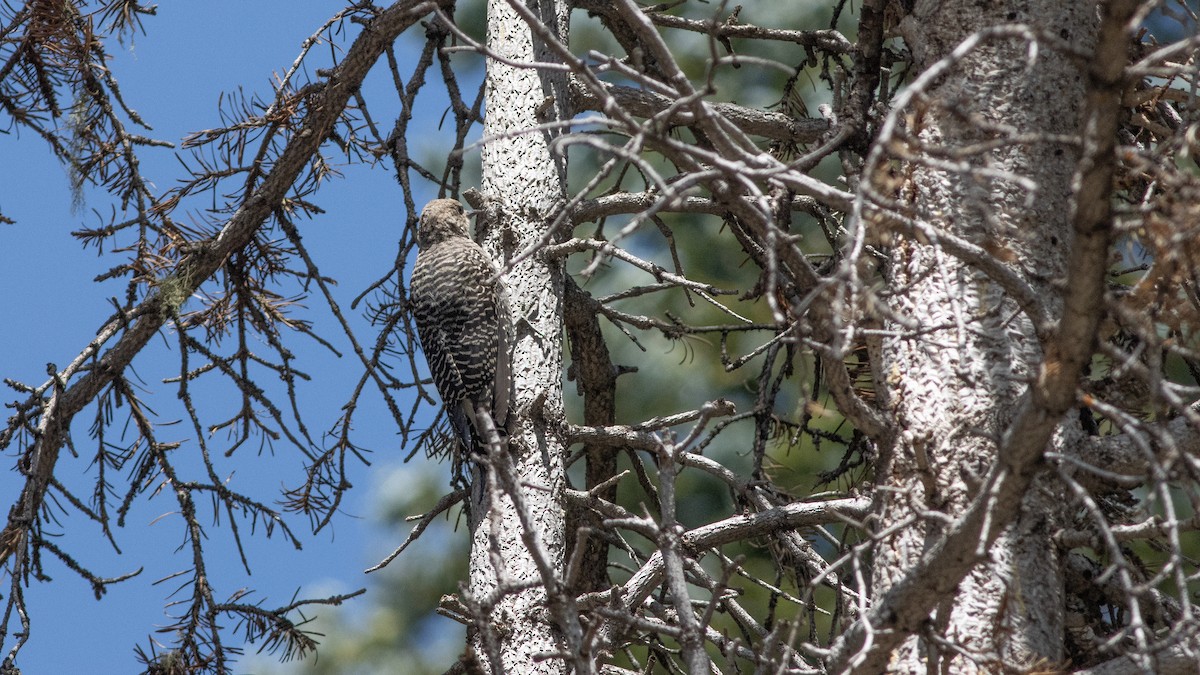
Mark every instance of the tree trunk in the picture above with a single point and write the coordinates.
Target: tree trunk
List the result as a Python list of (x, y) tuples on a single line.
[(955, 383), (517, 548)]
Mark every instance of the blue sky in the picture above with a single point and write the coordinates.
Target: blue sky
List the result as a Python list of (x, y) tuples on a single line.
[(173, 76)]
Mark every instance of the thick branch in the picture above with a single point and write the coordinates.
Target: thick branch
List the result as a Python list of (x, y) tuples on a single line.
[(1177, 658), (639, 202), (643, 103), (1122, 454), (736, 528)]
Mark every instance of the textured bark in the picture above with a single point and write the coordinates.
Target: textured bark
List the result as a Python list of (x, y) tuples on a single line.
[(522, 179), (596, 378), (955, 389)]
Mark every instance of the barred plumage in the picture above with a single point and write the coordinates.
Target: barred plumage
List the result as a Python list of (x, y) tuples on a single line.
[(462, 319)]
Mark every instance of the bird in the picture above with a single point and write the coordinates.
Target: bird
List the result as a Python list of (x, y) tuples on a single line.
[(460, 306)]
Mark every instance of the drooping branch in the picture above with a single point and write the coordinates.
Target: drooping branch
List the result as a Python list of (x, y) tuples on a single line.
[(137, 326)]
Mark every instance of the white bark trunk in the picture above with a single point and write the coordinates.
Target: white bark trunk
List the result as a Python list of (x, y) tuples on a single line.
[(955, 385), (522, 180)]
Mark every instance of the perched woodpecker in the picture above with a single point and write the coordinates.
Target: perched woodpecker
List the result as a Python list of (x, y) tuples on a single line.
[(461, 310)]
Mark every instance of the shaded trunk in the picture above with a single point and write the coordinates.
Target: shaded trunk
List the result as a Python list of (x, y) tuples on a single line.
[(955, 383)]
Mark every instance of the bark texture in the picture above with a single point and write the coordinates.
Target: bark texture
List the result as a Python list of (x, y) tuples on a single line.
[(955, 384), (518, 545)]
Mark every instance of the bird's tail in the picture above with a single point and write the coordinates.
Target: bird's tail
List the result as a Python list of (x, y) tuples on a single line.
[(476, 429)]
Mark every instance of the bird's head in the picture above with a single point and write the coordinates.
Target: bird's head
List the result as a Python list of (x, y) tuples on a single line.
[(442, 219)]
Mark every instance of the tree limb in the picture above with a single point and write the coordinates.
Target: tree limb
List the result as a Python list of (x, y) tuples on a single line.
[(162, 303), (644, 103)]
